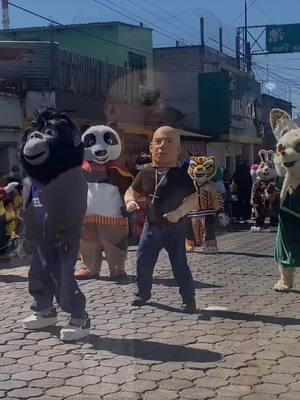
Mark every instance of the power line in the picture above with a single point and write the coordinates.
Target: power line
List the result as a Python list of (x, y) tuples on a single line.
[(155, 15), (168, 34), (111, 42)]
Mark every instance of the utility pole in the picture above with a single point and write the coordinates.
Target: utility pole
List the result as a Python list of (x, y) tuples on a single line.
[(247, 48), (268, 85), (5, 19)]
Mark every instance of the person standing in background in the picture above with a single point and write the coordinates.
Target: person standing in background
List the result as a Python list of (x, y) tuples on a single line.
[(243, 181)]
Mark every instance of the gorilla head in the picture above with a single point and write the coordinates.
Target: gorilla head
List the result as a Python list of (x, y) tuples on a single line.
[(50, 146)]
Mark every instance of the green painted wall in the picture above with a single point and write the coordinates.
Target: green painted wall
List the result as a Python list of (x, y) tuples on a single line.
[(73, 39), (141, 42)]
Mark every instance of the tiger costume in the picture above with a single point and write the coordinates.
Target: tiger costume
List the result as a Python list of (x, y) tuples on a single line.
[(201, 222)]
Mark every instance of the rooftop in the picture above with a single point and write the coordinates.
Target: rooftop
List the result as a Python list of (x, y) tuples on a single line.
[(72, 26)]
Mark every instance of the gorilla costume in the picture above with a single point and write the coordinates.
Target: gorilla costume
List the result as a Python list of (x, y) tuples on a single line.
[(54, 205)]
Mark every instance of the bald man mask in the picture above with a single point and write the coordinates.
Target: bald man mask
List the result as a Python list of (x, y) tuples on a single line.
[(165, 147)]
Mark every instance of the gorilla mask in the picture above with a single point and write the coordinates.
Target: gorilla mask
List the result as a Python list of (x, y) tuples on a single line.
[(50, 146)]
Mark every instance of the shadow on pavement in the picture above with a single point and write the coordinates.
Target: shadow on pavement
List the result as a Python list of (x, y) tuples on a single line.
[(148, 350), (169, 282), (165, 307), (235, 253), (12, 278), (206, 315)]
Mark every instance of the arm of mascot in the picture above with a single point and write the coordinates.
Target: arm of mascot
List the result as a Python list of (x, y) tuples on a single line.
[(218, 205), (189, 204), (8, 188)]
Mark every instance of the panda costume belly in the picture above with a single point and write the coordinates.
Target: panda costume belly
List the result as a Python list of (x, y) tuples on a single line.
[(105, 225), (104, 199)]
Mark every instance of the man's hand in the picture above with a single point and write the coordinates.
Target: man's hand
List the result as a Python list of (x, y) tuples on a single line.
[(132, 205), (172, 216), (223, 219), (10, 187)]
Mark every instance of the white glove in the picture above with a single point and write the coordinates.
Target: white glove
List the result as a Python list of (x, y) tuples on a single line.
[(10, 187), (172, 216), (132, 206), (223, 219)]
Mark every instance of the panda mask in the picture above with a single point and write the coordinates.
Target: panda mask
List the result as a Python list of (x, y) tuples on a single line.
[(101, 144)]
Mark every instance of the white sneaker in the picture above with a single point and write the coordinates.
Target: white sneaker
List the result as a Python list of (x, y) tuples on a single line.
[(77, 329), (39, 320)]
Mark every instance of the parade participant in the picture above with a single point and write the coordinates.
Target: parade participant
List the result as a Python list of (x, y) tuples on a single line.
[(5, 247), (209, 204), (106, 224), (243, 182), (262, 191), (54, 205), (287, 162), (170, 194)]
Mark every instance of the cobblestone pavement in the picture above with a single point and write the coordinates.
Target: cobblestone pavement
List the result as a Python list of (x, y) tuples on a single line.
[(251, 351)]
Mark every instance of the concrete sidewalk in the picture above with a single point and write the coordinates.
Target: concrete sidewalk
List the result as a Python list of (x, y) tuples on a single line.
[(249, 351)]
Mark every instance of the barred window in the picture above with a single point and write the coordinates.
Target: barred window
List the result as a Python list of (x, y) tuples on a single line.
[(137, 62)]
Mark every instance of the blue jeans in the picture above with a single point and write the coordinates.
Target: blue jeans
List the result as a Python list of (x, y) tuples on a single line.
[(153, 240), (51, 274)]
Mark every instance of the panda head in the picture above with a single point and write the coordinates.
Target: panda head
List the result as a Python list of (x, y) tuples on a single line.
[(101, 144)]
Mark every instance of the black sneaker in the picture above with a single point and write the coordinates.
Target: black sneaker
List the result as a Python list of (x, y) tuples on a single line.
[(189, 308), (140, 300)]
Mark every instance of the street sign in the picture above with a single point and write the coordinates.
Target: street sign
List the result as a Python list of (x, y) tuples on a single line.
[(283, 38)]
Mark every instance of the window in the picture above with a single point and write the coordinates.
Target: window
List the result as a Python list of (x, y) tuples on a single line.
[(137, 62)]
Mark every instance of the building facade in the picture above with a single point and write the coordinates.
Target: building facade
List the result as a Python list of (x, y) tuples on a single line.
[(128, 46), (215, 97)]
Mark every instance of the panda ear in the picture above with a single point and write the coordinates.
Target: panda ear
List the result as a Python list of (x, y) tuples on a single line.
[(281, 122), (113, 125)]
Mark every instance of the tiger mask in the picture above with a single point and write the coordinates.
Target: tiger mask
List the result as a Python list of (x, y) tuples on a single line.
[(202, 169)]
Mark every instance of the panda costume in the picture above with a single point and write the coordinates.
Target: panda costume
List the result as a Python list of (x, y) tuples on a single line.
[(105, 225)]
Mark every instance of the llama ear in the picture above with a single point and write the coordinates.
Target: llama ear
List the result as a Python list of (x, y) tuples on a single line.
[(262, 155), (270, 155), (281, 122)]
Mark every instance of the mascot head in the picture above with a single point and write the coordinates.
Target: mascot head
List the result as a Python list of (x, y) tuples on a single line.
[(266, 169), (50, 146), (287, 133), (287, 156), (202, 169), (101, 144)]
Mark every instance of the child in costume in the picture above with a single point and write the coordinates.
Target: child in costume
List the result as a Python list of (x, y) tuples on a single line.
[(170, 195), (287, 161), (106, 223), (209, 204), (54, 205), (262, 191), (5, 244)]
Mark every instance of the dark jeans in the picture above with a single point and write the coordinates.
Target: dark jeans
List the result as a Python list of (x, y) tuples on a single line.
[(189, 229), (153, 240), (243, 206), (52, 274)]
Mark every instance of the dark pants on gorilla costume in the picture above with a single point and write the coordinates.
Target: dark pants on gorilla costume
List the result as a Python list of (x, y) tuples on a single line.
[(52, 274)]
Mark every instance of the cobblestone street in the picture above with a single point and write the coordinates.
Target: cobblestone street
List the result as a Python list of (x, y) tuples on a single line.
[(249, 351)]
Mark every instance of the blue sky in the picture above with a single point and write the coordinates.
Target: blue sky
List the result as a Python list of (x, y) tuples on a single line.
[(179, 20)]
